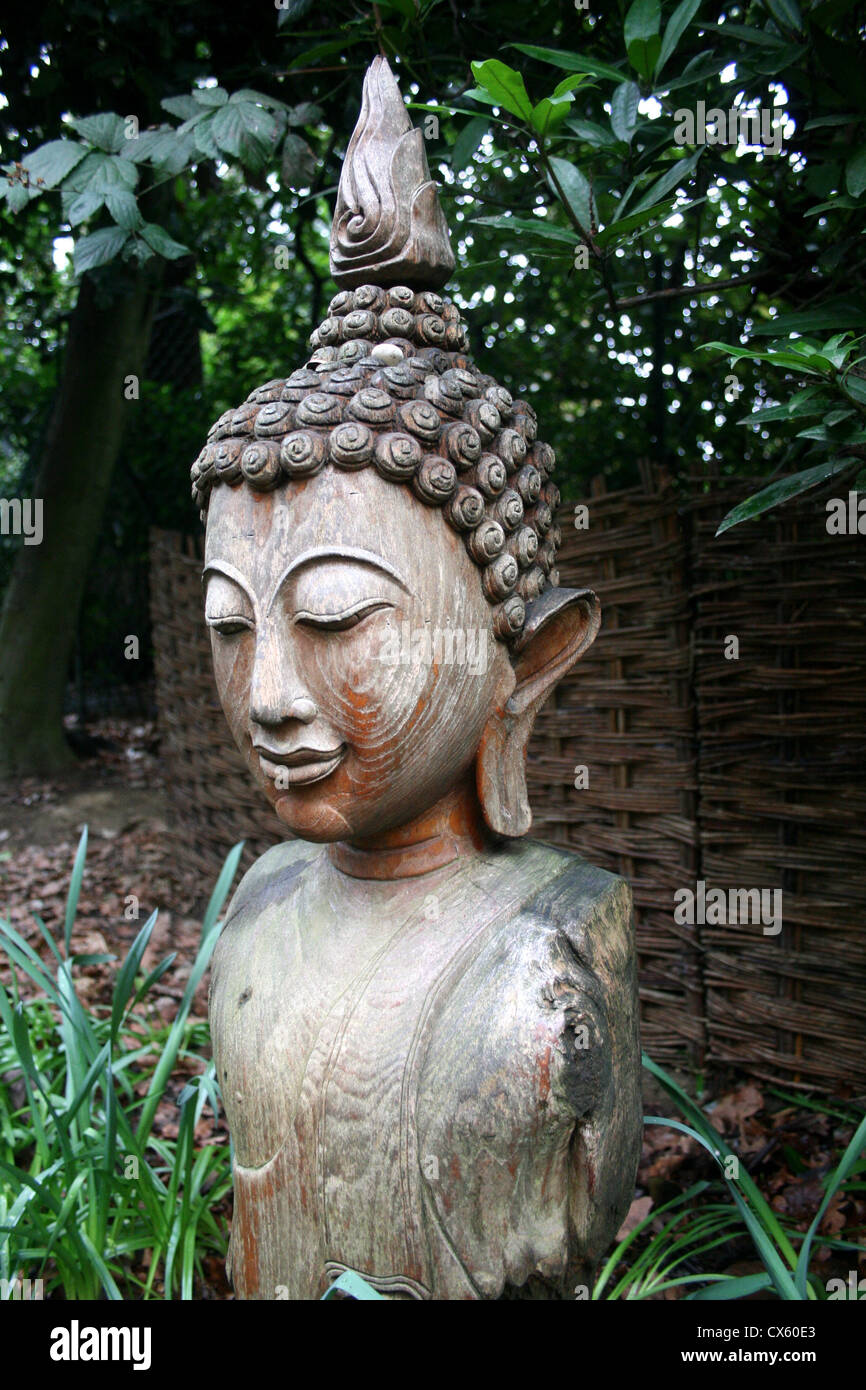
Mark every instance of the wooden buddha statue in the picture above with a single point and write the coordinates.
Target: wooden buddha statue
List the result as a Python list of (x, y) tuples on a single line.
[(424, 1026)]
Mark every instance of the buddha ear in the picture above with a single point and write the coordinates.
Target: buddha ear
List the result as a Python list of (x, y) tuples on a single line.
[(560, 625)]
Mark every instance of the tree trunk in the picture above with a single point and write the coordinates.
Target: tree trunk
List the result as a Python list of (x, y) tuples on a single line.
[(107, 343)]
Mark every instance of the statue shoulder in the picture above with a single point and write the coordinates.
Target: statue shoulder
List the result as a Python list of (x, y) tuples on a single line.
[(563, 893), (527, 1053), (271, 875), (540, 987)]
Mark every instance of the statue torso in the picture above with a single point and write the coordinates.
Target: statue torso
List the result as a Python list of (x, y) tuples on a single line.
[(417, 1074)]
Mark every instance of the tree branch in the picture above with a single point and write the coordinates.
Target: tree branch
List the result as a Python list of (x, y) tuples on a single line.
[(679, 292)]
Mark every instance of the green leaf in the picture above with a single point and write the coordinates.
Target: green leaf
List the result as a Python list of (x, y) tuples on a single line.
[(591, 132), (105, 131), (81, 852), (125, 978), (467, 142), (811, 364), (159, 241), (98, 248), (576, 190), (211, 96), (677, 173), (102, 173), (327, 50), (855, 387), (203, 137), (809, 396), (571, 62), (830, 316), (777, 62), (841, 203), (848, 1160), (246, 94), (786, 14), (745, 33), (124, 209), (642, 40), (305, 113), (643, 55), (855, 173), (84, 205), (810, 402), (246, 131), (731, 1287), (475, 93), (572, 84), (524, 226), (186, 107), (623, 111), (677, 25), (505, 85), (782, 491), (642, 20), (837, 349), (149, 145), (52, 163), (16, 194), (645, 218), (548, 115), (167, 149), (818, 432), (298, 165), (830, 120)]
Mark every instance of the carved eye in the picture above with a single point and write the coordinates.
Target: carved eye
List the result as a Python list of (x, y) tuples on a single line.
[(342, 621), (230, 625)]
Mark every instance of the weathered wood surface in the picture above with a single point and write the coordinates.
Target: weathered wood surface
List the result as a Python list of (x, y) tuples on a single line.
[(430, 1080), (426, 1037), (388, 226)]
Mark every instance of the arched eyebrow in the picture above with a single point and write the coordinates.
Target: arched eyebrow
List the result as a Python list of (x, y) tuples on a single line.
[(229, 572), (341, 552), (307, 557)]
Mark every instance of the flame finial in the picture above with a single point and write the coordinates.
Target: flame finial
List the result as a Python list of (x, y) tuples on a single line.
[(388, 227)]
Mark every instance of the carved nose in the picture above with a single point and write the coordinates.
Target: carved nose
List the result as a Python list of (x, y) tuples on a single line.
[(272, 712), (303, 709), (275, 672)]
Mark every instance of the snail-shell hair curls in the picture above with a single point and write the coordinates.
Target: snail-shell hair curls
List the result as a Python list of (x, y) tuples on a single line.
[(389, 386)]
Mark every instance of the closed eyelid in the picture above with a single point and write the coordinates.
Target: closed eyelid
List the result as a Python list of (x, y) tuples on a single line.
[(245, 618), (334, 619)]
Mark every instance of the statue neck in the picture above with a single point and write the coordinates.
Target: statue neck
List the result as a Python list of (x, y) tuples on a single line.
[(451, 829)]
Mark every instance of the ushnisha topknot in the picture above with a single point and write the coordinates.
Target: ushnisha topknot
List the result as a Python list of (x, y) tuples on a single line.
[(389, 384)]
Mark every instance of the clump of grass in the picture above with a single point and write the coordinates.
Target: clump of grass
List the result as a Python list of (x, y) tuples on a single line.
[(91, 1195), (691, 1229)]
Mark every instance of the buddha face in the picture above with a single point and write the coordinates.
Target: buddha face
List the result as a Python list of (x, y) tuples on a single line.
[(353, 649)]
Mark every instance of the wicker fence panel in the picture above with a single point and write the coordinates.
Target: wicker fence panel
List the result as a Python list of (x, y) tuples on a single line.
[(212, 800), (783, 793), (743, 773), (625, 714)]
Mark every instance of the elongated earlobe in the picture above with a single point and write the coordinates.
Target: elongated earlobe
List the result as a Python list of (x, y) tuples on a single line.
[(560, 626)]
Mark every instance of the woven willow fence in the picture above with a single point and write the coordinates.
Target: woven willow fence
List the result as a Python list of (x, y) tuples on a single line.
[(660, 758)]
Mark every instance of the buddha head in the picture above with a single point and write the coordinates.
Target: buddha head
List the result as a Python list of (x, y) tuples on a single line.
[(380, 581)]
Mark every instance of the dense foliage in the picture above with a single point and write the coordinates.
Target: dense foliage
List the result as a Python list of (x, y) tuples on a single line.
[(661, 288)]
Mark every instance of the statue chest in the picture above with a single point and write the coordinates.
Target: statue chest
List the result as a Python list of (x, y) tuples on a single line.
[(319, 1041)]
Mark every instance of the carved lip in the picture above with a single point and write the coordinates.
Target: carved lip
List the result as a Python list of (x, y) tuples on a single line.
[(301, 765)]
